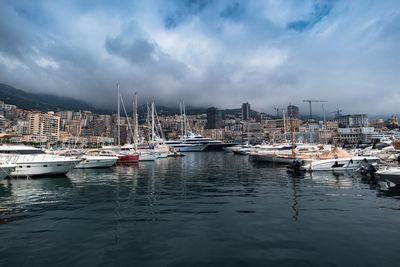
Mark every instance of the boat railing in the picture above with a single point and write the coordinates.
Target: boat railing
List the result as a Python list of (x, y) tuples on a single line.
[(14, 158)]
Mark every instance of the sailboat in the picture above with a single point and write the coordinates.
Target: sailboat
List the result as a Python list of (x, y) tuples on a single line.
[(144, 154), (125, 154)]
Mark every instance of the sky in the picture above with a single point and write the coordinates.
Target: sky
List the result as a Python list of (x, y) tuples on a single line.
[(210, 53)]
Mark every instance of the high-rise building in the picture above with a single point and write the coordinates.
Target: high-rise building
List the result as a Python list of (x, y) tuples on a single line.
[(65, 114), (214, 118), (245, 111), (45, 125), (293, 111), (353, 121)]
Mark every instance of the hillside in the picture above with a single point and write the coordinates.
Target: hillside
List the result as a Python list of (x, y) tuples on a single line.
[(47, 102), (42, 102)]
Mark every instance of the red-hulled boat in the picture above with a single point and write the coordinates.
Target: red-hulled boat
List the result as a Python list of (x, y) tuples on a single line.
[(129, 158)]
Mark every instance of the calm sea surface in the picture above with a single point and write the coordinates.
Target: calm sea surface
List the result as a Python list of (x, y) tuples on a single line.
[(205, 209)]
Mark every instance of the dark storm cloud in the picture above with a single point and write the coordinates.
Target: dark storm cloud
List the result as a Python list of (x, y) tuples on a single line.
[(221, 53), (140, 51)]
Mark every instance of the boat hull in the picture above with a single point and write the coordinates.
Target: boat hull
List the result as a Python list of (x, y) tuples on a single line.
[(30, 169), (96, 162), (392, 175), (190, 148), (345, 164), (217, 146), (148, 156), (6, 170), (272, 158), (127, 159)]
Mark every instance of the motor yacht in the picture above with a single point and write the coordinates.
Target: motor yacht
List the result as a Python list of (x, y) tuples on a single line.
[(92, 158), (197, 143), (338, 160), (31, 161)]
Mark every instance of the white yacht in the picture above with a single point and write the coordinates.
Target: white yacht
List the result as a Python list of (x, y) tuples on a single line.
[(93, 158), (338, 160), (31, 161), (197, 143)]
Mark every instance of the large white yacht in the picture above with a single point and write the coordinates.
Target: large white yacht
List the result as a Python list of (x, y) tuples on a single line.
[(31, 161), (197, 143)]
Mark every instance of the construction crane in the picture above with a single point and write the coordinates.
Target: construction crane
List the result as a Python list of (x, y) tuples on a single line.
[(310, 101), (337, 113)]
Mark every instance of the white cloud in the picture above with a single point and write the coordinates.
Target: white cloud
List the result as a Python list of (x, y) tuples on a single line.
[(46, 63)]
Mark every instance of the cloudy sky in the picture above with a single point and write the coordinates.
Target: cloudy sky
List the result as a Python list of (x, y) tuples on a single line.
[(220, 53)]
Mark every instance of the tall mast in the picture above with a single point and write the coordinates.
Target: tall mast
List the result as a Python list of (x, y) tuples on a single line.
[(135, 119), (284, 122), (119, 122), (180, 105), (148, 121), (323, 108), (184, 117), (291, 129), (152, 123)]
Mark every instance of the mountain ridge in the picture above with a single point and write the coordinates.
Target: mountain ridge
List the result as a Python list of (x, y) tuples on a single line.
[(47, 102), (42, 102)]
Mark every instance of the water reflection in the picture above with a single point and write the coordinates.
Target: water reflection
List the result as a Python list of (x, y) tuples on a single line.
[(20, 195), (295, 202), (203, 208)]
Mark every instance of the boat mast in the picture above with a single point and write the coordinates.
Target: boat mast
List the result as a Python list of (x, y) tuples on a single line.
[(323, 107), (184, 117), (152, 123), (291, 129), (180, 105), (119, 122), (284, 122), (135, 119)]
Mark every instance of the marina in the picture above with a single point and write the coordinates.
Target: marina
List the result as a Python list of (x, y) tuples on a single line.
[(199, 133), (208, 209)]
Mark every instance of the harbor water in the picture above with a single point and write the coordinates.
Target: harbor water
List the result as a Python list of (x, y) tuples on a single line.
[(205, 209)]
